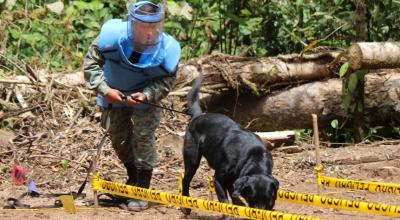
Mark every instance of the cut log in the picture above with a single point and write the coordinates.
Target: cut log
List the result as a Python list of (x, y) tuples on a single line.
[(277, 139), (292, 109), (374, 55), (257, 75), (272, 139)]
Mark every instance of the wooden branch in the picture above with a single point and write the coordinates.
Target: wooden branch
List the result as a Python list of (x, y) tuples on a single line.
[(15, 113), (361, 159), (9, 106), (276, 135), (20, 98), (12, 81), (78, 113), (277, 139), (18, 67)]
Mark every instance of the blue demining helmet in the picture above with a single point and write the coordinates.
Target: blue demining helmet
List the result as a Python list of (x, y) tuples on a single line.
[(145, 26)]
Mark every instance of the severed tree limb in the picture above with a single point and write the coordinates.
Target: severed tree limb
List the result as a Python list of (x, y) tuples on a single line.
[(374, 55)]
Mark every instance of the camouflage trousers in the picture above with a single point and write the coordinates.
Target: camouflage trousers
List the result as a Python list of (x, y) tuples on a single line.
[(132, 134)]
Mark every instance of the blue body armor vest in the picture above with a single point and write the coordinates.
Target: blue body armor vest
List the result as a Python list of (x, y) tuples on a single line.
[(128, 77)]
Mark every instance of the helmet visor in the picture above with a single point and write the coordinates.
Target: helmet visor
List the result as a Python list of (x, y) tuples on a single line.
[(145, 26), (146, 36)]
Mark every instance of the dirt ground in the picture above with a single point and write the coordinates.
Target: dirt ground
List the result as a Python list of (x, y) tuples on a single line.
[(40, 142), (295, 171)]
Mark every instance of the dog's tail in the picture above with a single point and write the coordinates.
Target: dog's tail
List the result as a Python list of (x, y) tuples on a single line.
[(193, 97)]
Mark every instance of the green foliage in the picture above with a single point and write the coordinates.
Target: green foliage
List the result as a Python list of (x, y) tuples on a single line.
[(59, 41), (352, 90), (396, 130), (303, 136), (384, 20), (338, 134), (43, 37), (335, 124), (64, 164), (380, 132), (353, 101), (344, 69)]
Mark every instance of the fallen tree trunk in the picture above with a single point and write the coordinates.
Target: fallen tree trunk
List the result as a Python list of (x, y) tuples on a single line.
[(292, 109), (374, 55), (257, 75)]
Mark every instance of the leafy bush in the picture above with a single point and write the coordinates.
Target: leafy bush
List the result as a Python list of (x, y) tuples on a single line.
[(35, 32)]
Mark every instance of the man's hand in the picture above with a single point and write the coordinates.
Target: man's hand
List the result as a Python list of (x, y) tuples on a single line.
[(139, 96), (114, 96)]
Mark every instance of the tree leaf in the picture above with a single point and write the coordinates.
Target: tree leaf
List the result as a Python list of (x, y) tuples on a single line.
[(352, 84), (34, 38), (343, 69), (81, 5), (346, 102), (360, 74), (96, 5), (186, 11), (64, 164), (14, 33), (335, 124), (173, 8), (180, 10), (56, 7)]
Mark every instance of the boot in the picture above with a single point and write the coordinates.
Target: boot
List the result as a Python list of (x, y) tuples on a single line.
[(143, 180), (132, 181), (132, 174)]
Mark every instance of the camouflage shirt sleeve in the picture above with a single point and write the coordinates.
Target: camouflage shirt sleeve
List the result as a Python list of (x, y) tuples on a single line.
[(159, 88), (93, 69)]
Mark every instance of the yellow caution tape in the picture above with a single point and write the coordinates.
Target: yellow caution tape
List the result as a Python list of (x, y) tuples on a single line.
[(180, 184), (211, 184), (189, 202), (359, 185), (380, 187), (309, 199)]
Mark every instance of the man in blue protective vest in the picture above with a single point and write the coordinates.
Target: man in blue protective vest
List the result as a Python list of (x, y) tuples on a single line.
[(132, 61)]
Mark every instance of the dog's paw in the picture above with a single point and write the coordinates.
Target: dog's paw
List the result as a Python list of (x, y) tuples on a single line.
[(185, 211)]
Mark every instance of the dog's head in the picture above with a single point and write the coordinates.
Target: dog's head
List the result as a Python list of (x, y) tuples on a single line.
[(259, 191)]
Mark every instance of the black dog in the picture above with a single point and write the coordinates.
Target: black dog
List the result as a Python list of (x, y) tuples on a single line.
[(242, 163)]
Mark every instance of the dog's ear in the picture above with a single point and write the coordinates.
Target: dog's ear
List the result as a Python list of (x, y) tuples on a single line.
[(276, 182), (240, 185), (275, 185)]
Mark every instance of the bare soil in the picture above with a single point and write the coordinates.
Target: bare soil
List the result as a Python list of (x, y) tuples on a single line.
[(294, 171)]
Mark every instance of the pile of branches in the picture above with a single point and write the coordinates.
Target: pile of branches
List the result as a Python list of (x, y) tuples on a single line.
[(50, 125)]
